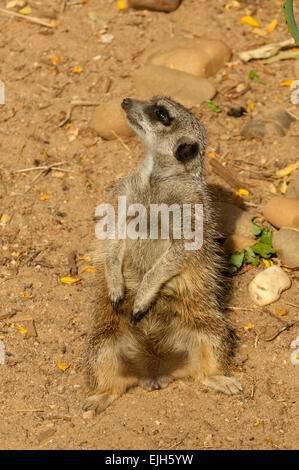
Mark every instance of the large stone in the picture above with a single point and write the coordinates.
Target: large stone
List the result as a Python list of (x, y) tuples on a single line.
[(274, 123), (200, 57), (232, 220), (158, 5), (237, 243), (282, 212), (187, 89), (292, 191), (286, 244), (109, 120), (267, 286)]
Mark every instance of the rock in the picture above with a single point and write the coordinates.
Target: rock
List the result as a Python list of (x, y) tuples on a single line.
[(187, 89), (282, 212), (296, 69), (275, 123), (231, 220), (157, 5), (200, 57), (237, 243), (110, 117), (292, 191), (267, 286), (286, 244)]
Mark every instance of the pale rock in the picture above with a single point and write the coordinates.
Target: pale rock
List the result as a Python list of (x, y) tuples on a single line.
[(237, 243), (200, 57), (109, 117), (152, 80), (232, 220), (282, 212), (292, 191), (268, 285), (286, 244)]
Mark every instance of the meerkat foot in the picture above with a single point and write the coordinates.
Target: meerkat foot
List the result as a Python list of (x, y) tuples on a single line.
[(155, 383), (98, 402), (135, 316), (115, 297), (221, 383)]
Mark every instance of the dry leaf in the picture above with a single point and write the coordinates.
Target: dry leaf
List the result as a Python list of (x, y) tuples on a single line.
[(70, 280), (83, 258), (62, 366), (287, 83), (248, 327), (89, 269), (287, 170), (77, 69), (26, 10), (5, 219), (121, 5), (242, 192), (249, 20)]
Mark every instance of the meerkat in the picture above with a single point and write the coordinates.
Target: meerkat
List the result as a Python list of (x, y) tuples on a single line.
[(157, 316)]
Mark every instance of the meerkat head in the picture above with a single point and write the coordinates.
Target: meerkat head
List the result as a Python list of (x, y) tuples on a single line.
[(167, 129)]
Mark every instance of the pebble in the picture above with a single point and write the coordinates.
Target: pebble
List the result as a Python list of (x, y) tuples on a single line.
[(292, 191), (268, 285), (237, 243), (275, 123), (107, 38), (185, 88), (110, 117), (231, 220), (158, 5), (282, 212), (200, 57), (286, 244)]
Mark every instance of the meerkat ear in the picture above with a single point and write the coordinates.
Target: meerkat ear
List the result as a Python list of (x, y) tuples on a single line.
[(186, 151)]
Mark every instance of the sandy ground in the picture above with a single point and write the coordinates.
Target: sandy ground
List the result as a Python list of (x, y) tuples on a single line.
[(52, 216)]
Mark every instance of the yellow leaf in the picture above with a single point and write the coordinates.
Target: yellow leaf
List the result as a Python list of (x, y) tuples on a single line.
[(69, 280), (121, 5), (287, 83), (44, 197), (55, 60), (249, 20), (211, 155), (270, 28), (5, 219), (280, 313), (25, 295), (25, 11), (287, 170), (256, 424), (62, 366), (84, 157), (83, 258), (242, 192), (89, 269), (249, 326), (284, 186), (21, 329), (77, 69), (267, 262)]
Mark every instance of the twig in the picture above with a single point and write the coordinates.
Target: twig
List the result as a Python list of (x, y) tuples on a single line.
[(285, 328), (73, 105), (32, 19), (24, 170), (121, 141), (226, 175), (293, 305), (63, 6)]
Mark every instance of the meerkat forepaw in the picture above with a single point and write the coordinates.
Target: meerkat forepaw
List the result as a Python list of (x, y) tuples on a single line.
[(98, 402), (115, 297), (221, 383), (115, 303)]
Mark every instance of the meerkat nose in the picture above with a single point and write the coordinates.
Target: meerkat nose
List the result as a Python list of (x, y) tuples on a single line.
[(126, 103)]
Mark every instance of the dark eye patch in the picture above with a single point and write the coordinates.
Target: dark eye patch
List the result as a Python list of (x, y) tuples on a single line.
[(160, 114)]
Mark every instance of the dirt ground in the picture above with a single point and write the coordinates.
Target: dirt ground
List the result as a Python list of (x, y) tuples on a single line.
[(52, 216)]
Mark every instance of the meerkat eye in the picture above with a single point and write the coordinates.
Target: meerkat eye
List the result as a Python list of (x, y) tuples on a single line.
[(162, 115)]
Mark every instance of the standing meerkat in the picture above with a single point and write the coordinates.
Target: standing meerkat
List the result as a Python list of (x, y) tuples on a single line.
[(157, 316)]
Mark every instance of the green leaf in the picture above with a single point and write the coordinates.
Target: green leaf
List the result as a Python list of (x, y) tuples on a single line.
[(256, 229), (263, 249), (267, 237), (93, 16), (253, 76), (250, 257), (236, 259), (213, 107)]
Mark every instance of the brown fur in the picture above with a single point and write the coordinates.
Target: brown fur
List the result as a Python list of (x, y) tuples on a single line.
[(182, 331)]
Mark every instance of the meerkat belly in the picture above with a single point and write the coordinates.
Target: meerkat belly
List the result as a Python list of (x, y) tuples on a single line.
[(142, 254)]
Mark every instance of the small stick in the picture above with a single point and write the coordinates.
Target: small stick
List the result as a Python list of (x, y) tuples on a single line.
[(121, 141), (24, 170), (228, 176), (72, 106), (32, 19), (63, 6), (30, 411), (293, 305), (285, 328)]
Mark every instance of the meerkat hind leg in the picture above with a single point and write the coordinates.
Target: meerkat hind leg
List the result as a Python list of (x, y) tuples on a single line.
[(221, 383), (98, 402)]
